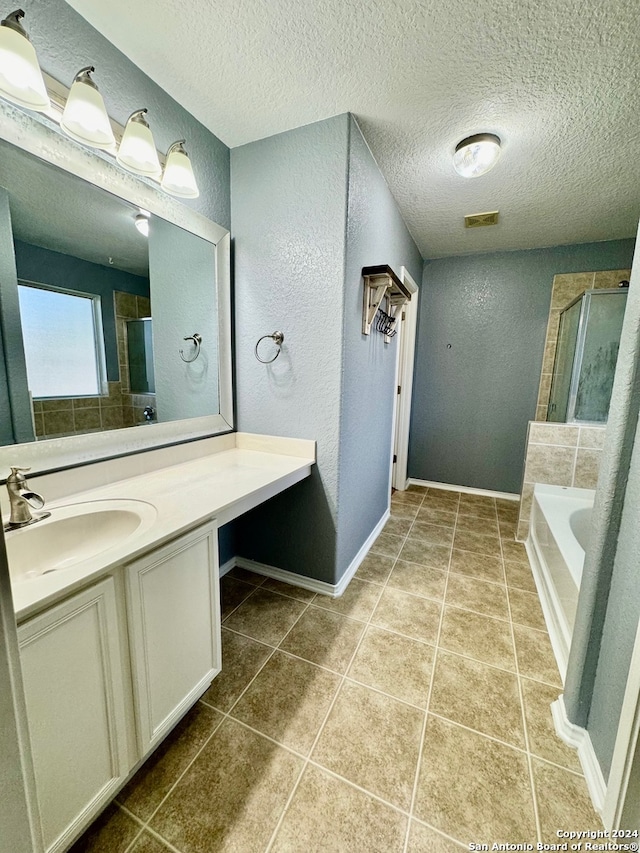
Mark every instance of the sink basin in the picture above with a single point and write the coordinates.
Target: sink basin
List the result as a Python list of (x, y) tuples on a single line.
[(74, 534)]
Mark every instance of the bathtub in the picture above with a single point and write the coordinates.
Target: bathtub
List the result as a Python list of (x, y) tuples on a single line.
[(558, 538)]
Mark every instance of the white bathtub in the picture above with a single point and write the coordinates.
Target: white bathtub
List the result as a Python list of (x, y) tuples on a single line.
[(558, 538)]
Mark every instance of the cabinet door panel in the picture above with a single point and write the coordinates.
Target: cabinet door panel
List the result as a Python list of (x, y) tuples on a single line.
[(75, 708), (174, 628)]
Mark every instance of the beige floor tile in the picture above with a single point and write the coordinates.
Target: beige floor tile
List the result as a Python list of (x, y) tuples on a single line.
[(112, 832), (543, 740), (478, 696), (398, 526), (289, 589), (535, 656), (514, 552), (420, 580), (265, 616), (375, 568), (417, 489), (473, 524), (423, 839), (232, 593), (327, 815), (325, 638), (407, 614), (563, 801), (508, 529), (404, 510), (506, 505), (417, 551), (480, 596), (477, 565), (525, 609), (408, 495), (148, 843), (288, 701), (388, 544), (357, 601), (241, 660), (491, 797), (434, 515), (144, 793), (396, 665), (478, 543), (519, 575), (442, 500), (373, 741), (246, 576), (479, 637), (508, 513), (434, 533), (231, 797)]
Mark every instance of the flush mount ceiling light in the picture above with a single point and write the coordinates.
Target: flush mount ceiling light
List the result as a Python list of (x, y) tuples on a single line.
[(137, 151), (476, 154), (20, 76), (85, 118), (142, 222), (178, 178)]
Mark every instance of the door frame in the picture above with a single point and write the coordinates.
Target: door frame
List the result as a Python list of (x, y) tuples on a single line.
[(404, 381)]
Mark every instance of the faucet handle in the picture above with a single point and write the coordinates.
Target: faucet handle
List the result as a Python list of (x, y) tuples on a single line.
[(17, 475)]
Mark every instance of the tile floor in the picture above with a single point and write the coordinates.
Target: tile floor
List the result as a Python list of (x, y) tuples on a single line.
[(412, 714)]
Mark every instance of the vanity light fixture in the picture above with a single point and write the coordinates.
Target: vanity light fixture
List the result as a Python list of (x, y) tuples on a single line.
[(20, 76), (142, 222), (178, 178), (137, 151), (476, 155), (85, 118)]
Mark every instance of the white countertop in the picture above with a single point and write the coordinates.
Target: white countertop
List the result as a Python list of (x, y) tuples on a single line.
[(220, 485)]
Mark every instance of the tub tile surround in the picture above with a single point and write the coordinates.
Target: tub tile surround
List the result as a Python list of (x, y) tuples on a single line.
[(558, 455), (370, 725), (565, 289)]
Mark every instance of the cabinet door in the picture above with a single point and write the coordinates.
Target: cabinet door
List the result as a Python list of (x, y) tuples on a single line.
[(75, 709), (174, 630)]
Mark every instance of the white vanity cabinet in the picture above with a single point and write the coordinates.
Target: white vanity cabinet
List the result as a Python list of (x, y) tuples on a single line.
[(174, 630), (75, 696)]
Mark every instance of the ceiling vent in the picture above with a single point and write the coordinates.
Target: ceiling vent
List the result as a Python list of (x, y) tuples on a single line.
[(477, 220)]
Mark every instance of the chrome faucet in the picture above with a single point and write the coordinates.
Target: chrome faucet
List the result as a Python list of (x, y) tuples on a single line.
[(21, 499)]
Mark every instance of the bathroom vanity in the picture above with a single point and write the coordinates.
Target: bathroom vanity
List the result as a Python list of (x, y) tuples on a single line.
[(116, 598)]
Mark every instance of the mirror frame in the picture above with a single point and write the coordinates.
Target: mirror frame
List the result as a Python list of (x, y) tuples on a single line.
[(41, 138)]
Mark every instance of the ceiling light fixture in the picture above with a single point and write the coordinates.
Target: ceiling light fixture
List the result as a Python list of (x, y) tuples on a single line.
[(476, 155), (142, 222), (20, 75), (178, 178), (137, 151), (85, 117)]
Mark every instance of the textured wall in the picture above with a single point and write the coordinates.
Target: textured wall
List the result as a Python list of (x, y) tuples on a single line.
[(376, 234), (289, 215), (472, 402), (65, 42)]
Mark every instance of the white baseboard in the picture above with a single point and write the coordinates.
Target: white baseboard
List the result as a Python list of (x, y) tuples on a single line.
[(578, 738), (330, 589), (467, 490)]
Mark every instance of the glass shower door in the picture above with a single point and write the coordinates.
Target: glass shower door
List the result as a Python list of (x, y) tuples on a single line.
[(563, 365)]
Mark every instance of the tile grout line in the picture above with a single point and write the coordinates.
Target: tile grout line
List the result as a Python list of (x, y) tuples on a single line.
[(416, 777), (332, 705)]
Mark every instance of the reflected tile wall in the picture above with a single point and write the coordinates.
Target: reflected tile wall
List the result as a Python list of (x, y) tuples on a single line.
[(559, 455)]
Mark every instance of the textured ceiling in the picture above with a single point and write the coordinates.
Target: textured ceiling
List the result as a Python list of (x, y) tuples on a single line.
[(559, 82)]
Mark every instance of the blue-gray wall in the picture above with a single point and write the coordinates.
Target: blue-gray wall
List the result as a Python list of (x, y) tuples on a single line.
[(47, 267), (481, 333), (376, 234)]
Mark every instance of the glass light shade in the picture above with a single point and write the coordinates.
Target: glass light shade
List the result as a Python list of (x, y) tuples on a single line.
[(137, 151), (476, 155), (178, 178), (85, 118), (142, 223), (20, 76)]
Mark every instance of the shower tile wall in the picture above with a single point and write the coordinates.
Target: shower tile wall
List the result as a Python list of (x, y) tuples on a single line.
[(559, 455), (76, 416), (565, 289)]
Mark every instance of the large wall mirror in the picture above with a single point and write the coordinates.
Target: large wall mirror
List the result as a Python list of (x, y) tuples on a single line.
[(114, 307)]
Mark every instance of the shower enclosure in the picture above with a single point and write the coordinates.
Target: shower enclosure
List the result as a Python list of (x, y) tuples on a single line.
[(586, 355)]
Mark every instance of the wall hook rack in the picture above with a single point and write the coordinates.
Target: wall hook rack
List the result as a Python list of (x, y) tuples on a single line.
[(381, 284), (197, 341)]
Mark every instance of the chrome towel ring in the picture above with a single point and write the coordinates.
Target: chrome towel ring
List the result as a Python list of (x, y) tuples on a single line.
[(277, 338), (197, 340)]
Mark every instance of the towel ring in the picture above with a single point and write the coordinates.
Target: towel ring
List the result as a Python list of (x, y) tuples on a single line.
[(277, 338), (197, 340)]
